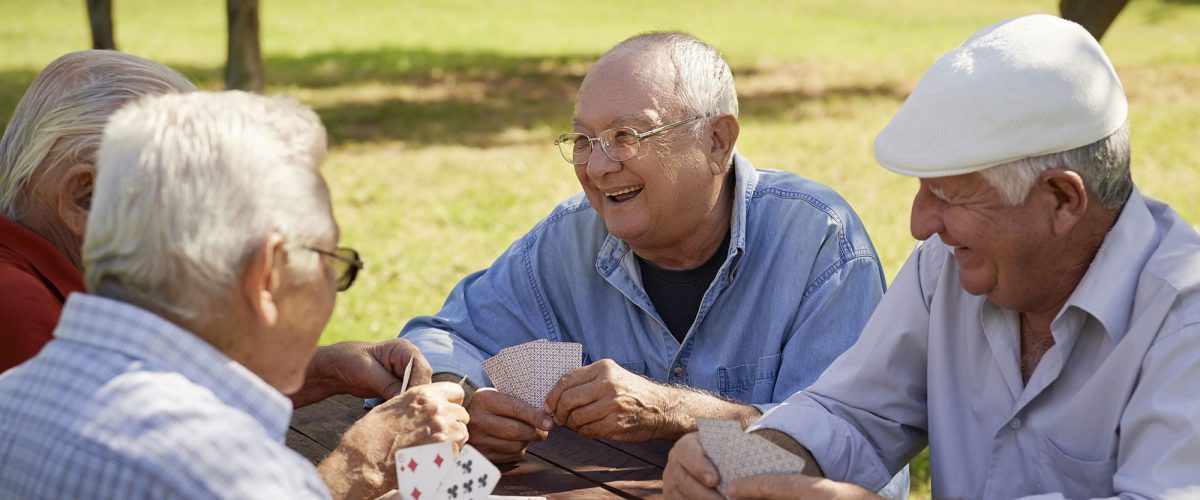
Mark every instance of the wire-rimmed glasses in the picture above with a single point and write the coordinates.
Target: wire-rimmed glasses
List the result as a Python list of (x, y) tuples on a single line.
[(618, 143)]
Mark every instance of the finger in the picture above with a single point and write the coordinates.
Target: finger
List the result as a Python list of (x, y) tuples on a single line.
[(589, 415), (580, 396), (689, 454), (678, 483), (573, 378), (498, 450), (505, 428), (422, 372), (507, 406), (770, 486), (441, 390)]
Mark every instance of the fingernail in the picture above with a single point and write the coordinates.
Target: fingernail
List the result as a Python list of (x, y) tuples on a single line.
[(547, 423)]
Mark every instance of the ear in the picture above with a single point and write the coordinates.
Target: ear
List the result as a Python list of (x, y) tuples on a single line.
[(1070, 198), (724, 135), (75, 196), (260, 280)]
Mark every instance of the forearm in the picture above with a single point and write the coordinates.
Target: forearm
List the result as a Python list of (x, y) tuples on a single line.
[(346, 475), (319, 381), (684, 405), (781, 439)]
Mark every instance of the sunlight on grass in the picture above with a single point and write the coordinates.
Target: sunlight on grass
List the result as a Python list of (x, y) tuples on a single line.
[(441, 114)]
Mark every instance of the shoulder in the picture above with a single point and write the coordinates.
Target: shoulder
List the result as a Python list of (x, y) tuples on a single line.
[(786, 201), (184, 434), (29, 310), (1175, 263), (572, 224)]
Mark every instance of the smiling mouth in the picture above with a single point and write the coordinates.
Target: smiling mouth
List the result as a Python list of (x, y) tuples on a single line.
[(623, 195)]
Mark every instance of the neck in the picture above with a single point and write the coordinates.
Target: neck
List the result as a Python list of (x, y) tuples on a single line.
[(56, 232), (702, 243), (1075, 257)]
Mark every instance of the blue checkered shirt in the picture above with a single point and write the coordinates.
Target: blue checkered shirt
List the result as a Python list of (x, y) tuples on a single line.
[(124, 404)]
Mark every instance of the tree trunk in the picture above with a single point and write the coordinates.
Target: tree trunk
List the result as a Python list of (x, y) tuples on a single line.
[(244, 66), (1094, 15), (100, 17)]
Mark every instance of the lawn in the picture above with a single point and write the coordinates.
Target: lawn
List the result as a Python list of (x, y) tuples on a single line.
[(441, 113)]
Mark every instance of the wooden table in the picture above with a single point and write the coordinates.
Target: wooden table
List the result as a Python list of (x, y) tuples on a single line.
[(563, 466)]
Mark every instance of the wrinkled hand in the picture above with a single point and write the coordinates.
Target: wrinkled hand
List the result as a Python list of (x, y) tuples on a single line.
[(689, 474), (377, 370), (781, 486), (363, 464), (502, 426), (603, 400)]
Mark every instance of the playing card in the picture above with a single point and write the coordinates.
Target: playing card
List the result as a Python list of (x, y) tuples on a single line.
[(738, 454), (421, 469), (528, 371), (473, 477)]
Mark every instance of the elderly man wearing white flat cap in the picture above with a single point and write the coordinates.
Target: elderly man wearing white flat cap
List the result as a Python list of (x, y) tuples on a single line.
[(1044, 338)]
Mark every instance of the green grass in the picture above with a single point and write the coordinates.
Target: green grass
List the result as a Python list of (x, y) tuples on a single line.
[(441, 113)]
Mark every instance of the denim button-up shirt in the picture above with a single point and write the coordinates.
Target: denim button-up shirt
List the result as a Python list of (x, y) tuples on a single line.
[(1112, 409), (799, 280)]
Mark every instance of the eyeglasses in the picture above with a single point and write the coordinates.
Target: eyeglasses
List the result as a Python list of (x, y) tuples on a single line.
[(346, 265), (619, 144)]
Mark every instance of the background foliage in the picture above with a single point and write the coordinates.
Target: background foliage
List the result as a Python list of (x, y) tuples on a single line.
[(441, 113)]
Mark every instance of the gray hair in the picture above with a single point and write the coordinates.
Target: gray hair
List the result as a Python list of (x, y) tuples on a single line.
[(59, 120), (703, 81), (1103, 165), (188, 185)]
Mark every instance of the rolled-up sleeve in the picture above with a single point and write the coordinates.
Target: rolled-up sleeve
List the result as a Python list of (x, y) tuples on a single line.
[(865, 418), (488, 310)]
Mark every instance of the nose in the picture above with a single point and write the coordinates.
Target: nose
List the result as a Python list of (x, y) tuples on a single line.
[(926, 218), (599, 164)]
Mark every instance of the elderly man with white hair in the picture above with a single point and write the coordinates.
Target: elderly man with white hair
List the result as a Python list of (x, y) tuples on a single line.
[(698, 285), (212, 259), (47, 173), (1044, 338)]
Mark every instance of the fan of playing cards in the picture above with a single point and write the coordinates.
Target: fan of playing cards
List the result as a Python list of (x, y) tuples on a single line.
[(528, 371), (738, 454), (430, 472)]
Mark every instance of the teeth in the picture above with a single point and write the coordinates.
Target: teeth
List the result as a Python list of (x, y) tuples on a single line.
[(624, 191)]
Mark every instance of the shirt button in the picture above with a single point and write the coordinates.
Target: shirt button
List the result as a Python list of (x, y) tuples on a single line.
[(1014, 424), (678, 371)]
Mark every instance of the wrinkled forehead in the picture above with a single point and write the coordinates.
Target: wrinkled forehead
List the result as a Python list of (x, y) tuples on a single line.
[(631, 87)]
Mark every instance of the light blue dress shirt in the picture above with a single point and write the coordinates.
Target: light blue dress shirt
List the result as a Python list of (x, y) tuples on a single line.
[(1112, 409), (799, 280), (124, 404)]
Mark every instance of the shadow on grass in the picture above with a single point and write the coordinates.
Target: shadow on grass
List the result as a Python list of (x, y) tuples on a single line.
[(475, 99)]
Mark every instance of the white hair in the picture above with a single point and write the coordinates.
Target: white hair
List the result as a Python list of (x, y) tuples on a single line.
[(59, 120), (1103, 165), (190, 184), (703, 81)]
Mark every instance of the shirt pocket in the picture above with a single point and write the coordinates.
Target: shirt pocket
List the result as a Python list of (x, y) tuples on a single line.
[(752, 383), (635, 366), (1074, 477)]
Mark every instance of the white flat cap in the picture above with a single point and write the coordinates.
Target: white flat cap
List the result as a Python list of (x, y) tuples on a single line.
[(1025, 87)]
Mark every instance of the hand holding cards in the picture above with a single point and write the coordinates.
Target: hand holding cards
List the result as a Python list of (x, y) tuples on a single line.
[(430, 472), (738, 454), (528, 371)]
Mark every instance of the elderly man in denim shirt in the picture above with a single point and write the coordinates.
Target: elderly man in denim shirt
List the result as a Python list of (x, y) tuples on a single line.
[(698, 285)]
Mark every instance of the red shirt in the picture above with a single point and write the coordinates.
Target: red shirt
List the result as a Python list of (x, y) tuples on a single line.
[(35, 280)]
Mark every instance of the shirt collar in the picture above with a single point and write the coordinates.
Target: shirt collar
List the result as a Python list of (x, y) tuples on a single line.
[(745, 181), (1107, 290), (164, 346), (47, 260)]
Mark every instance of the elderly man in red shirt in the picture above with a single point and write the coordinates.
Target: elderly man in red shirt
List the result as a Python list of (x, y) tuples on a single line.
[(47, 169)]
